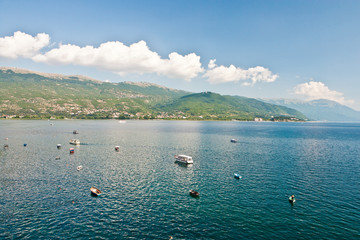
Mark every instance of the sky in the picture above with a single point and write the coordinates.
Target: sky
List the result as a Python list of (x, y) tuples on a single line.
[(298, 49)]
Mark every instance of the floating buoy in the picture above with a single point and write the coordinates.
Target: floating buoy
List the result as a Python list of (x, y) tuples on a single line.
[(72, 150), (25, 144)]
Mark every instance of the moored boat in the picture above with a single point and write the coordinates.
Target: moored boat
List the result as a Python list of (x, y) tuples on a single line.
[(75, 132), (194, 193), (237, 176), (234, 140), (117, 148), (79, 168), (74, 141), (292, 199), (95, 191), (183, 159), (58, 146), (72, 150)]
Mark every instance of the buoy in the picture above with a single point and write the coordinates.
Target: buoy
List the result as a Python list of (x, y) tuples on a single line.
[(25, 144), (117, 148), (72, 150), (58, 146)]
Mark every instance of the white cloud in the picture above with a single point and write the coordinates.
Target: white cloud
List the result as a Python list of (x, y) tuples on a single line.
[(122, 59), (212, 63), (221, 74), (22, 45), (318, 90)]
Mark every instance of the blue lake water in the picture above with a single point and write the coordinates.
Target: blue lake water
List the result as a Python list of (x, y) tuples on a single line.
[(146, 195)]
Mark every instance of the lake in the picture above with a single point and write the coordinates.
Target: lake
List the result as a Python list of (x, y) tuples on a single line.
[(145, 194)]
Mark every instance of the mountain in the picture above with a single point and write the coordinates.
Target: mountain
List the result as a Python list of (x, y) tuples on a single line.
[(320, 110), (28, 94), (32, 94), (210, 105)]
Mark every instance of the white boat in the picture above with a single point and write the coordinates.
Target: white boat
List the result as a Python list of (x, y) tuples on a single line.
[(183, 159), (79, 168), (74, 141), (95, 191), (234, 140)]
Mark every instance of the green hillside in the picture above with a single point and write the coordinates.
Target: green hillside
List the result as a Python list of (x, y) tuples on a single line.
[(60, 96), (26, 94), (210, 105)]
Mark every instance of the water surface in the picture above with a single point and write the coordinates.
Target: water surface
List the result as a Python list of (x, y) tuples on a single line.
[(145, 194)]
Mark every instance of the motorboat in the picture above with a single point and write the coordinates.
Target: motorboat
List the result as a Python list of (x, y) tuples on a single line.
[(194, 193), (79, 168), (72, 150), (75, 132), (117, 148), (95, 191), (183, 159), (58, 146), (74, 141), (237, 176), (234, 140)]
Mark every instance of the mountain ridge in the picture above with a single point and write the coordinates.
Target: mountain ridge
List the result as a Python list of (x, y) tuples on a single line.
[(320, 109), (27, 94)]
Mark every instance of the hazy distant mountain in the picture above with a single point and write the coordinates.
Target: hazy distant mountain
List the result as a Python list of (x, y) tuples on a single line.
[(28, 94), (321, 110)]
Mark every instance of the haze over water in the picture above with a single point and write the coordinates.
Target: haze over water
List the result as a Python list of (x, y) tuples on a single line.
[(145, 194)]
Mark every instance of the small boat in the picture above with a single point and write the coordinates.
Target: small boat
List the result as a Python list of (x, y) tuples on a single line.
[(57, 158), (74, 141), (117, 148), (237, 176), (183, 159), (79, 168), (6, 146), (292, 199), (95, 191), (194, 193), (58, 146), (75, 132), (234, 140), (72, 150)]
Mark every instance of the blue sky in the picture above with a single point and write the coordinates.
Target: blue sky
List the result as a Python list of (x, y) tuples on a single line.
[(262, 49)]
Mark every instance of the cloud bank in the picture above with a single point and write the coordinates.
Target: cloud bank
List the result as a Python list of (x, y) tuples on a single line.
[(136, 58), (122, 59), (221, 74), (22, 45), (318, 90)]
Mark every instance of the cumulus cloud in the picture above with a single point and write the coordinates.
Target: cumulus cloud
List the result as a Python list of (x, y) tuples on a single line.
[(22, 45), (122, 59), (221, 74), (318, 90)]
